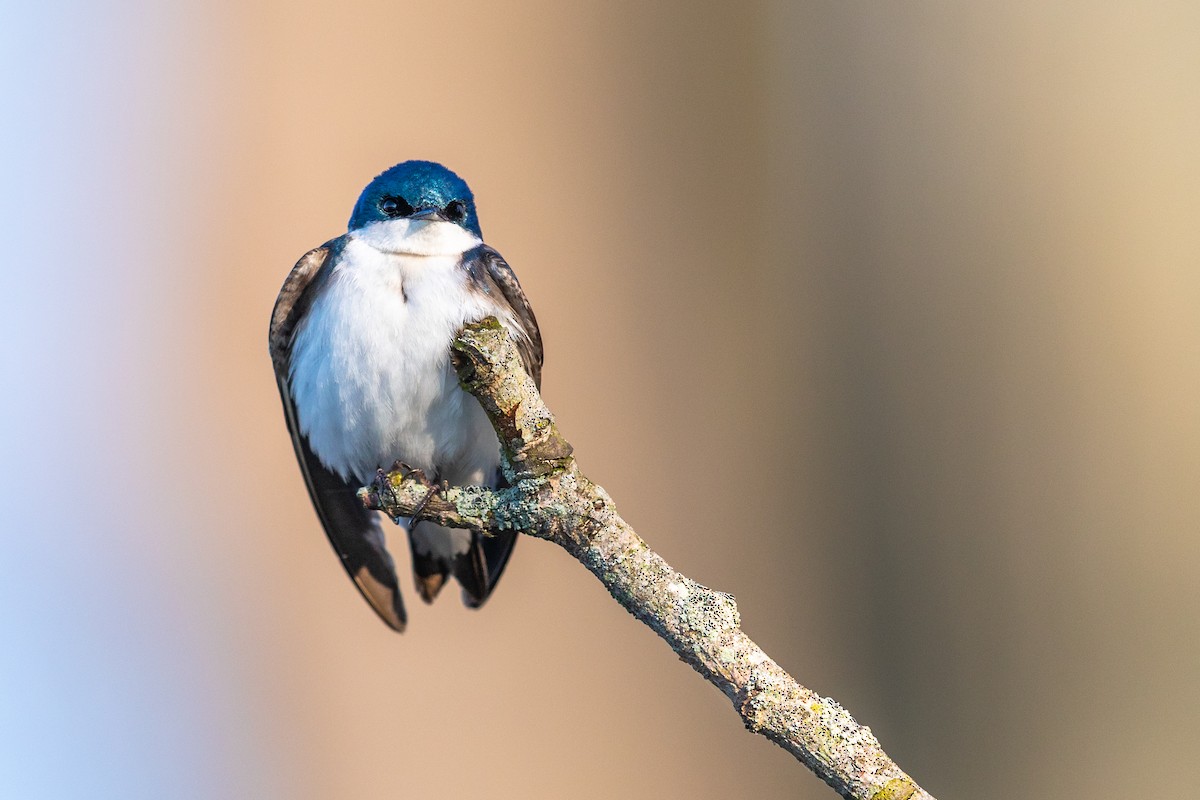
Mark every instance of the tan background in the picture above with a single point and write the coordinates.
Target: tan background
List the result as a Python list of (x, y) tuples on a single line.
[(881, 316)]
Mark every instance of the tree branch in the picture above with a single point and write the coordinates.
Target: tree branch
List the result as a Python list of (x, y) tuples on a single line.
[(551, 499)]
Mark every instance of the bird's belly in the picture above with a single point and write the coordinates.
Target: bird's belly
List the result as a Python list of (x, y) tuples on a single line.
[(372, 381)]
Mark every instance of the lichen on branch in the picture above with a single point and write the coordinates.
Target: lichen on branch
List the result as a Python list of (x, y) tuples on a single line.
[(548, 497)]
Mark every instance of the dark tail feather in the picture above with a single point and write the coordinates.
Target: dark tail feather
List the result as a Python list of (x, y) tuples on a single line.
[(430, 572), (479, 568)]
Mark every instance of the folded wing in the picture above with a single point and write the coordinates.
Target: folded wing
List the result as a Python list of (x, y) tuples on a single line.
[(353, 531)]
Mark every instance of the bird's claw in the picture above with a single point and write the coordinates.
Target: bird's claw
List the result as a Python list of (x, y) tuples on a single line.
[(435, 487), (409, 471)]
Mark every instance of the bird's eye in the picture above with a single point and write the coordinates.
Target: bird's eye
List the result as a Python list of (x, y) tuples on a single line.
[(395, 206), (456, 211)]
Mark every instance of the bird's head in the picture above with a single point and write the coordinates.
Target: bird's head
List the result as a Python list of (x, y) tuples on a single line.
[(417, 207)]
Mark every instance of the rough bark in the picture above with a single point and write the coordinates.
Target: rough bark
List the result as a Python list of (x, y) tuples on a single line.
[(551, 499)]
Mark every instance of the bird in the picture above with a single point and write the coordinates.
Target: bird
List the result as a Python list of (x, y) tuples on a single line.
[(360, 341)]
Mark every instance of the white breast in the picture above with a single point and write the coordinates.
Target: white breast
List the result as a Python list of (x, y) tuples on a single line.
[(370, 368)]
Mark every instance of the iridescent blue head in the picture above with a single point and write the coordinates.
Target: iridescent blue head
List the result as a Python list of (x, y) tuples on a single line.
[(417, 190)]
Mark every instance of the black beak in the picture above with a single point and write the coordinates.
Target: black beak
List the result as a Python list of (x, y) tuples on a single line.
[(428, 215)]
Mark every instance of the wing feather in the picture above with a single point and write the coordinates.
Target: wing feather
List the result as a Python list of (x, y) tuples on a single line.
[(353, 531), (492, 275)]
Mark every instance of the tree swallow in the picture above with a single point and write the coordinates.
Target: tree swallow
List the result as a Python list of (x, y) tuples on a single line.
[(360, 340)]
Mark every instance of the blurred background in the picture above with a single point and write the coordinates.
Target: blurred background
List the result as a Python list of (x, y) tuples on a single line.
[(921, 277)]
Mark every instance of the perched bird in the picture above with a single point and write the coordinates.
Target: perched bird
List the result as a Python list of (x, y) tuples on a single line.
[(360, 340)]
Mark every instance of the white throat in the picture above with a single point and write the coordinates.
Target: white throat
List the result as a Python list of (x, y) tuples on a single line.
[(370, 367), (417, 237)]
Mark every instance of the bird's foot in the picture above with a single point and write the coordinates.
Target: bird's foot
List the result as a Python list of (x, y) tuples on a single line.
[(408, 471), (435, 487)]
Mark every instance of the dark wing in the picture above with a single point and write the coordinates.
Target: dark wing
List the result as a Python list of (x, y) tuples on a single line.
[(480, 568), (353, 531), (492, 275)]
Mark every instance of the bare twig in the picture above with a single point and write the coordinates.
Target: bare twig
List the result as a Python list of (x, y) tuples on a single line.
[(551, 499)]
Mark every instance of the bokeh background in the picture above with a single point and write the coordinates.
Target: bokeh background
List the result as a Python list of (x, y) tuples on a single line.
[(881, 316)]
